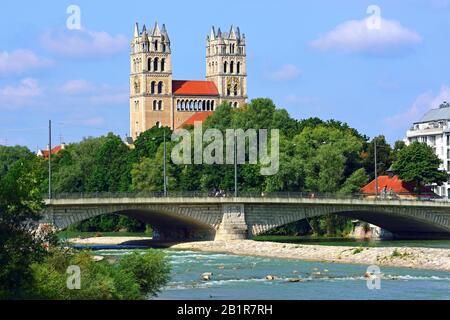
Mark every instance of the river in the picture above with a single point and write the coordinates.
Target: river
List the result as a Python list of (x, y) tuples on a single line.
[(243, 277)]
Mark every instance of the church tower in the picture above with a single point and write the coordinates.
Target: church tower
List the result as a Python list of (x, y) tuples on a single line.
[(226, 65), (150, 80)]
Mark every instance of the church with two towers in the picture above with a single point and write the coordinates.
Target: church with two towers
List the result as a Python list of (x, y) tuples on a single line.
[(158, 100)]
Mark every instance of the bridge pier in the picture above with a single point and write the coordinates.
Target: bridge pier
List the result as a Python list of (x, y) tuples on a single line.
[(233, 225)]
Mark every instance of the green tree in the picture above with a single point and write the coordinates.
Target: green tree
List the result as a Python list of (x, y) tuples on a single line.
[(419, 164), (355, 182), (111, 171), (148, 142), (20, 204), (384, 157), (10, 155)]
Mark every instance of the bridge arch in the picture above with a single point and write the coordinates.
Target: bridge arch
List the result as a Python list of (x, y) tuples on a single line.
[(401, 222), (171, 222)]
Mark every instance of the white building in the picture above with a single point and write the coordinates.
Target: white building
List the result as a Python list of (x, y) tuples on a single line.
[(434, 129)]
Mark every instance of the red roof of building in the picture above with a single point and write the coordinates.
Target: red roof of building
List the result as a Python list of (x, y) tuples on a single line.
[(194, 88), (55, 150), (393, 183), (197, 117)]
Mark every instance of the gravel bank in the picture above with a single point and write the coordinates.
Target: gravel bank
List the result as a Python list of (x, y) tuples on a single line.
[(107, 240), (419, 258)]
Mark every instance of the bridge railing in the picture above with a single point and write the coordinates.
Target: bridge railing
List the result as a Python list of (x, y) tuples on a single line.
[(217, 194)]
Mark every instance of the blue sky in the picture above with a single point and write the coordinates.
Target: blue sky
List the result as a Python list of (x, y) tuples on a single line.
[(313, 59)]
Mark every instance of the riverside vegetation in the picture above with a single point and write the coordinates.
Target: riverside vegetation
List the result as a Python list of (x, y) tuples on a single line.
[(33, 265), (315, 156)]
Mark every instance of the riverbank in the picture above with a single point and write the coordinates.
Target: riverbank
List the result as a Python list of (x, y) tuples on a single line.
[(406, 257), (417, 258), (116, 240)]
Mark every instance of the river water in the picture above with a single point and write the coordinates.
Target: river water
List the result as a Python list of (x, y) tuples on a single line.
[(243, 277)]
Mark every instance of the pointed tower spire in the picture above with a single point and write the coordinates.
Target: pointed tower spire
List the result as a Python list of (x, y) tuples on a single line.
[(212, 35), (156, 30), (136, 30), (144, 29), (165, 33), (219, 33)]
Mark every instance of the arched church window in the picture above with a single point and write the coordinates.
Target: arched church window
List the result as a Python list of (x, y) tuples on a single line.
[(163, 47), (160, 106), (160, 87), (154, 105), (152, 87), (163, 64), (156, 45), (155, 64), (231, 66), (149, 64), (238, 67), (225, 67), (212, 105)]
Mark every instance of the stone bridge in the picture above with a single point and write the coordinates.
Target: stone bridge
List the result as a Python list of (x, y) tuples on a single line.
[(227, 218)]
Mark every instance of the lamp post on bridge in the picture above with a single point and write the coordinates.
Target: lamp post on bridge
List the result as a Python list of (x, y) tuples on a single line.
[(164, 162), (376, 167), (165, 167)]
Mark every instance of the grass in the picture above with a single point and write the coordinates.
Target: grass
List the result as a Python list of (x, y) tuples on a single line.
[(358, 250), (398, 254)]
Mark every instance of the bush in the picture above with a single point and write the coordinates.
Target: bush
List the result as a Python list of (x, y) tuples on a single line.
[(132, 278)]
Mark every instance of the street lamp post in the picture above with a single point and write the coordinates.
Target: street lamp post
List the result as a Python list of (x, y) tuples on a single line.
[(235, 167), (49, 159), (376, 168), (165, 167)]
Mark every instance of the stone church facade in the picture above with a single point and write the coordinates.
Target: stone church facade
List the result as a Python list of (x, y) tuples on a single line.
[(158, 100)]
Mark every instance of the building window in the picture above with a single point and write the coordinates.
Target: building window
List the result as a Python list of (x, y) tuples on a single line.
[(155, 64), (163, 64), (160, 105), (225, 65), (156, 45), (160, 87), (238, 68), (152, 87), (231, 66), (158, 124), (154, 105), (149, 64)]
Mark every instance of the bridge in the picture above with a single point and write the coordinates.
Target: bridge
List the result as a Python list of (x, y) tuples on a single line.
[(197, 216)]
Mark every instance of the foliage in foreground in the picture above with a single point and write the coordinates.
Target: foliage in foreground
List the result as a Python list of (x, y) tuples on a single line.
[(133, 277)]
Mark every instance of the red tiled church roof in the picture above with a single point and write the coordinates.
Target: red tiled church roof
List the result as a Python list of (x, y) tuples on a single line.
[(197, 117), (395, 184), (194, 88)]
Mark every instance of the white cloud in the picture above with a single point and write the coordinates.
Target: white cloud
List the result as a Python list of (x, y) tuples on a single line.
[(95, 94), (355, 37), (420, 106), (19, 61), (84, 43), (285, 73), (73, 87), (110, 99), (13, 96)]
